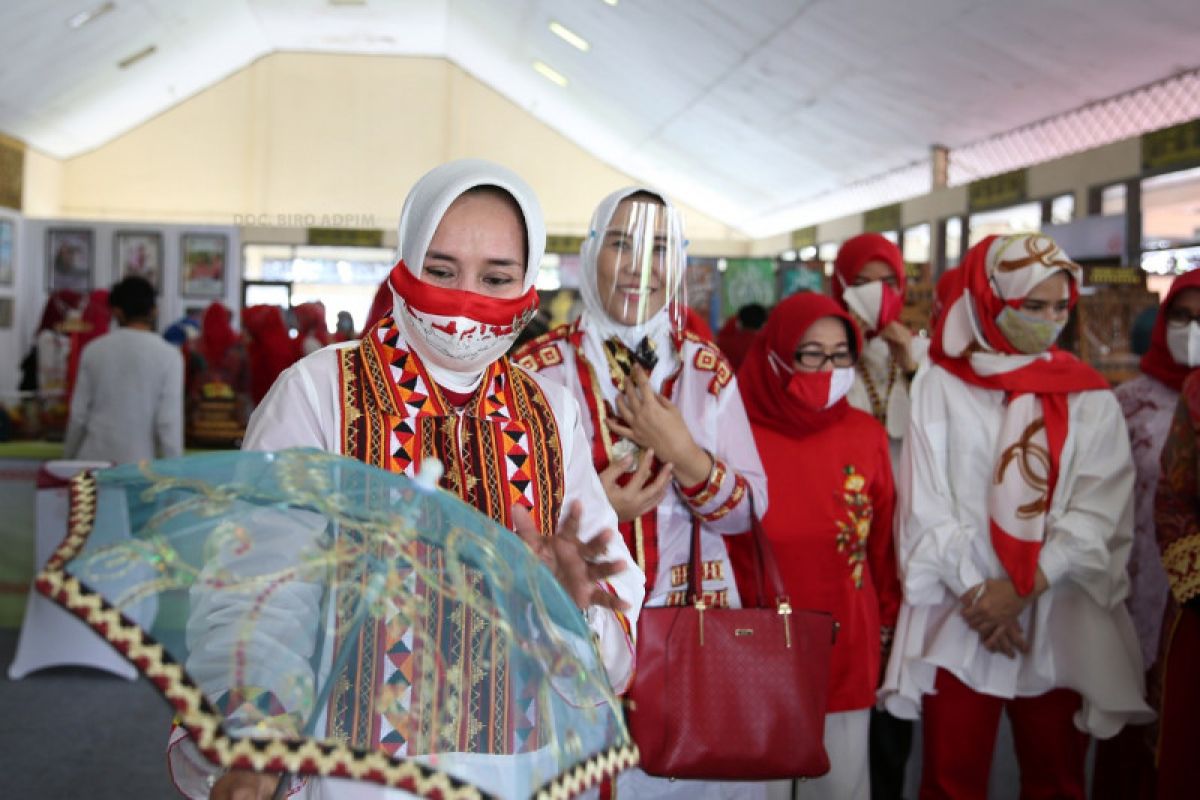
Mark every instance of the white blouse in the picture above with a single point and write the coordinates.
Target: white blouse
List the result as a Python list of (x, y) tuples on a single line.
[(303, 409), (1079, 630), (708, 399)]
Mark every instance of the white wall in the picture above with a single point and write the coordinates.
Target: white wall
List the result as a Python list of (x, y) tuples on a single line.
[(30, 291), (9, 358)]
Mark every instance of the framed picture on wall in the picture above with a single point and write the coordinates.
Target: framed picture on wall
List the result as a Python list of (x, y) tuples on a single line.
[(7, 251), (203, 256), (70, 259), (6, 313), (138, 253)]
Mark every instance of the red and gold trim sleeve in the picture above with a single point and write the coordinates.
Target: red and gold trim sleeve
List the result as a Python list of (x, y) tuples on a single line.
[(621, 618), (718, 495), (702, 493)]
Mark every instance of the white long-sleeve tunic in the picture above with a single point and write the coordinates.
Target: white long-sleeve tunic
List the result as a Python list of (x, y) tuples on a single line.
[(304, 409), (705, 391), (1079, 630)]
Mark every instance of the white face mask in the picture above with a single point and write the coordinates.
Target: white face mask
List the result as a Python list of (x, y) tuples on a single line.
[(840, 384), (875, 303), (460, 343), (1184, 344)]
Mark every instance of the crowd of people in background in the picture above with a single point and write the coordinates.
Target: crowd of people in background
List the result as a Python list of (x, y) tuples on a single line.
[(994, 529)]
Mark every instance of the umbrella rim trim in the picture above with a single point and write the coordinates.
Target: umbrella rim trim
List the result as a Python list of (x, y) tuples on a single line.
[(195, 714)]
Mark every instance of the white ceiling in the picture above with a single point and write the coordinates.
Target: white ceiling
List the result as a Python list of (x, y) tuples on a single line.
[(744, 109)]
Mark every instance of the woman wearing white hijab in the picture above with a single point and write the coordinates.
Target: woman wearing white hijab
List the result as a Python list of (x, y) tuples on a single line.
[(1015, 522), (668, 431), (471, 238)]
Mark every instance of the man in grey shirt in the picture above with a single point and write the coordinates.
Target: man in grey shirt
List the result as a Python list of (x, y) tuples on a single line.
[(128, 398)]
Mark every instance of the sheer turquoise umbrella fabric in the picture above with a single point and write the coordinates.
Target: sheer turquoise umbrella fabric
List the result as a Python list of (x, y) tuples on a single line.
[(334, 619)]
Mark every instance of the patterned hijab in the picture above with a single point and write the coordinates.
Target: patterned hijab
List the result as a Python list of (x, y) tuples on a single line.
[(1001, 271)]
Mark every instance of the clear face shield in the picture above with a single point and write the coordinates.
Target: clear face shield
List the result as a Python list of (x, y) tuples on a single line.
[(639, 267)]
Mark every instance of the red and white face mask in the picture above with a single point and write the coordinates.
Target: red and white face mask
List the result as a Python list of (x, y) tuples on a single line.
[(814, 391), (461, 331), (876, 304)]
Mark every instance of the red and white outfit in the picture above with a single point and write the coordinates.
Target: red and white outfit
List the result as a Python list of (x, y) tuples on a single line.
[(830, 526), (881, 388), (515, 438), (1014, 462), (692, 374)]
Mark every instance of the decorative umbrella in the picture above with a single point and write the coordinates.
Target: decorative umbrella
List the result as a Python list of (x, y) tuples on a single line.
[(310, 615)]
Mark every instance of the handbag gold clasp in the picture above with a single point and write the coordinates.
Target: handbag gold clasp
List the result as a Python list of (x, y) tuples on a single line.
[(785, 611), (700, 607)]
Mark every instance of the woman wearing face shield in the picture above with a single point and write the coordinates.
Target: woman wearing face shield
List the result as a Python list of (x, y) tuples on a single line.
[(1015, 522), (431, 377), (1148, 403), (833, 537), (668, 431)]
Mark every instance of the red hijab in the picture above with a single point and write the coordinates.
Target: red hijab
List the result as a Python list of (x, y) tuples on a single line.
[(217, 336), (381, 305), (1058, 373), (97, 316), (1158, 362), (764, 387), (947, 290), (58, 305), (693, 322), (310, 320), (858, 251), (270, 349)]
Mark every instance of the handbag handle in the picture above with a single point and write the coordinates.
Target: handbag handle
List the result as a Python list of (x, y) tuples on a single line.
[(764, 561)]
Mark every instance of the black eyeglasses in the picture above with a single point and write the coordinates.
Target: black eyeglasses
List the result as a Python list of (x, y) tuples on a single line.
[(815, 359)]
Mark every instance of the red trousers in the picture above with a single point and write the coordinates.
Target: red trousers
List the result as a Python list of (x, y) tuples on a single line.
[(960, 728)]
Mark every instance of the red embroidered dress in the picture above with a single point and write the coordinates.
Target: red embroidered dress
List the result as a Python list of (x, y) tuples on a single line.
[(502, 449)]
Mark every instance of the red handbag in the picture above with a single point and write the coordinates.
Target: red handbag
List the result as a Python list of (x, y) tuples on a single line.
[(732, 693)]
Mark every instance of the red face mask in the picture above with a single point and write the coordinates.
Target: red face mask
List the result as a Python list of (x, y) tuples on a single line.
[(814, 391)]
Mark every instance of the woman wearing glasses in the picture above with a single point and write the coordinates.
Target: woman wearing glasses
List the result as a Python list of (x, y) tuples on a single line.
[(830, 510), (1015, 521)]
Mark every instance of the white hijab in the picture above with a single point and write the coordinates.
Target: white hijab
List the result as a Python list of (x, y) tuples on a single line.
[(424, 208), (598, 326)]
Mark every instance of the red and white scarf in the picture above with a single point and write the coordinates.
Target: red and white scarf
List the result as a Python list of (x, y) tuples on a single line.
[(1001, 271)]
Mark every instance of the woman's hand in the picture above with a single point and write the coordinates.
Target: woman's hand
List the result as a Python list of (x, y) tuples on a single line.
[(654, 423), (641, 493), (899, 341), (991, 609), (575, 564), (243, 784), (992, 603), (1007, 638)]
